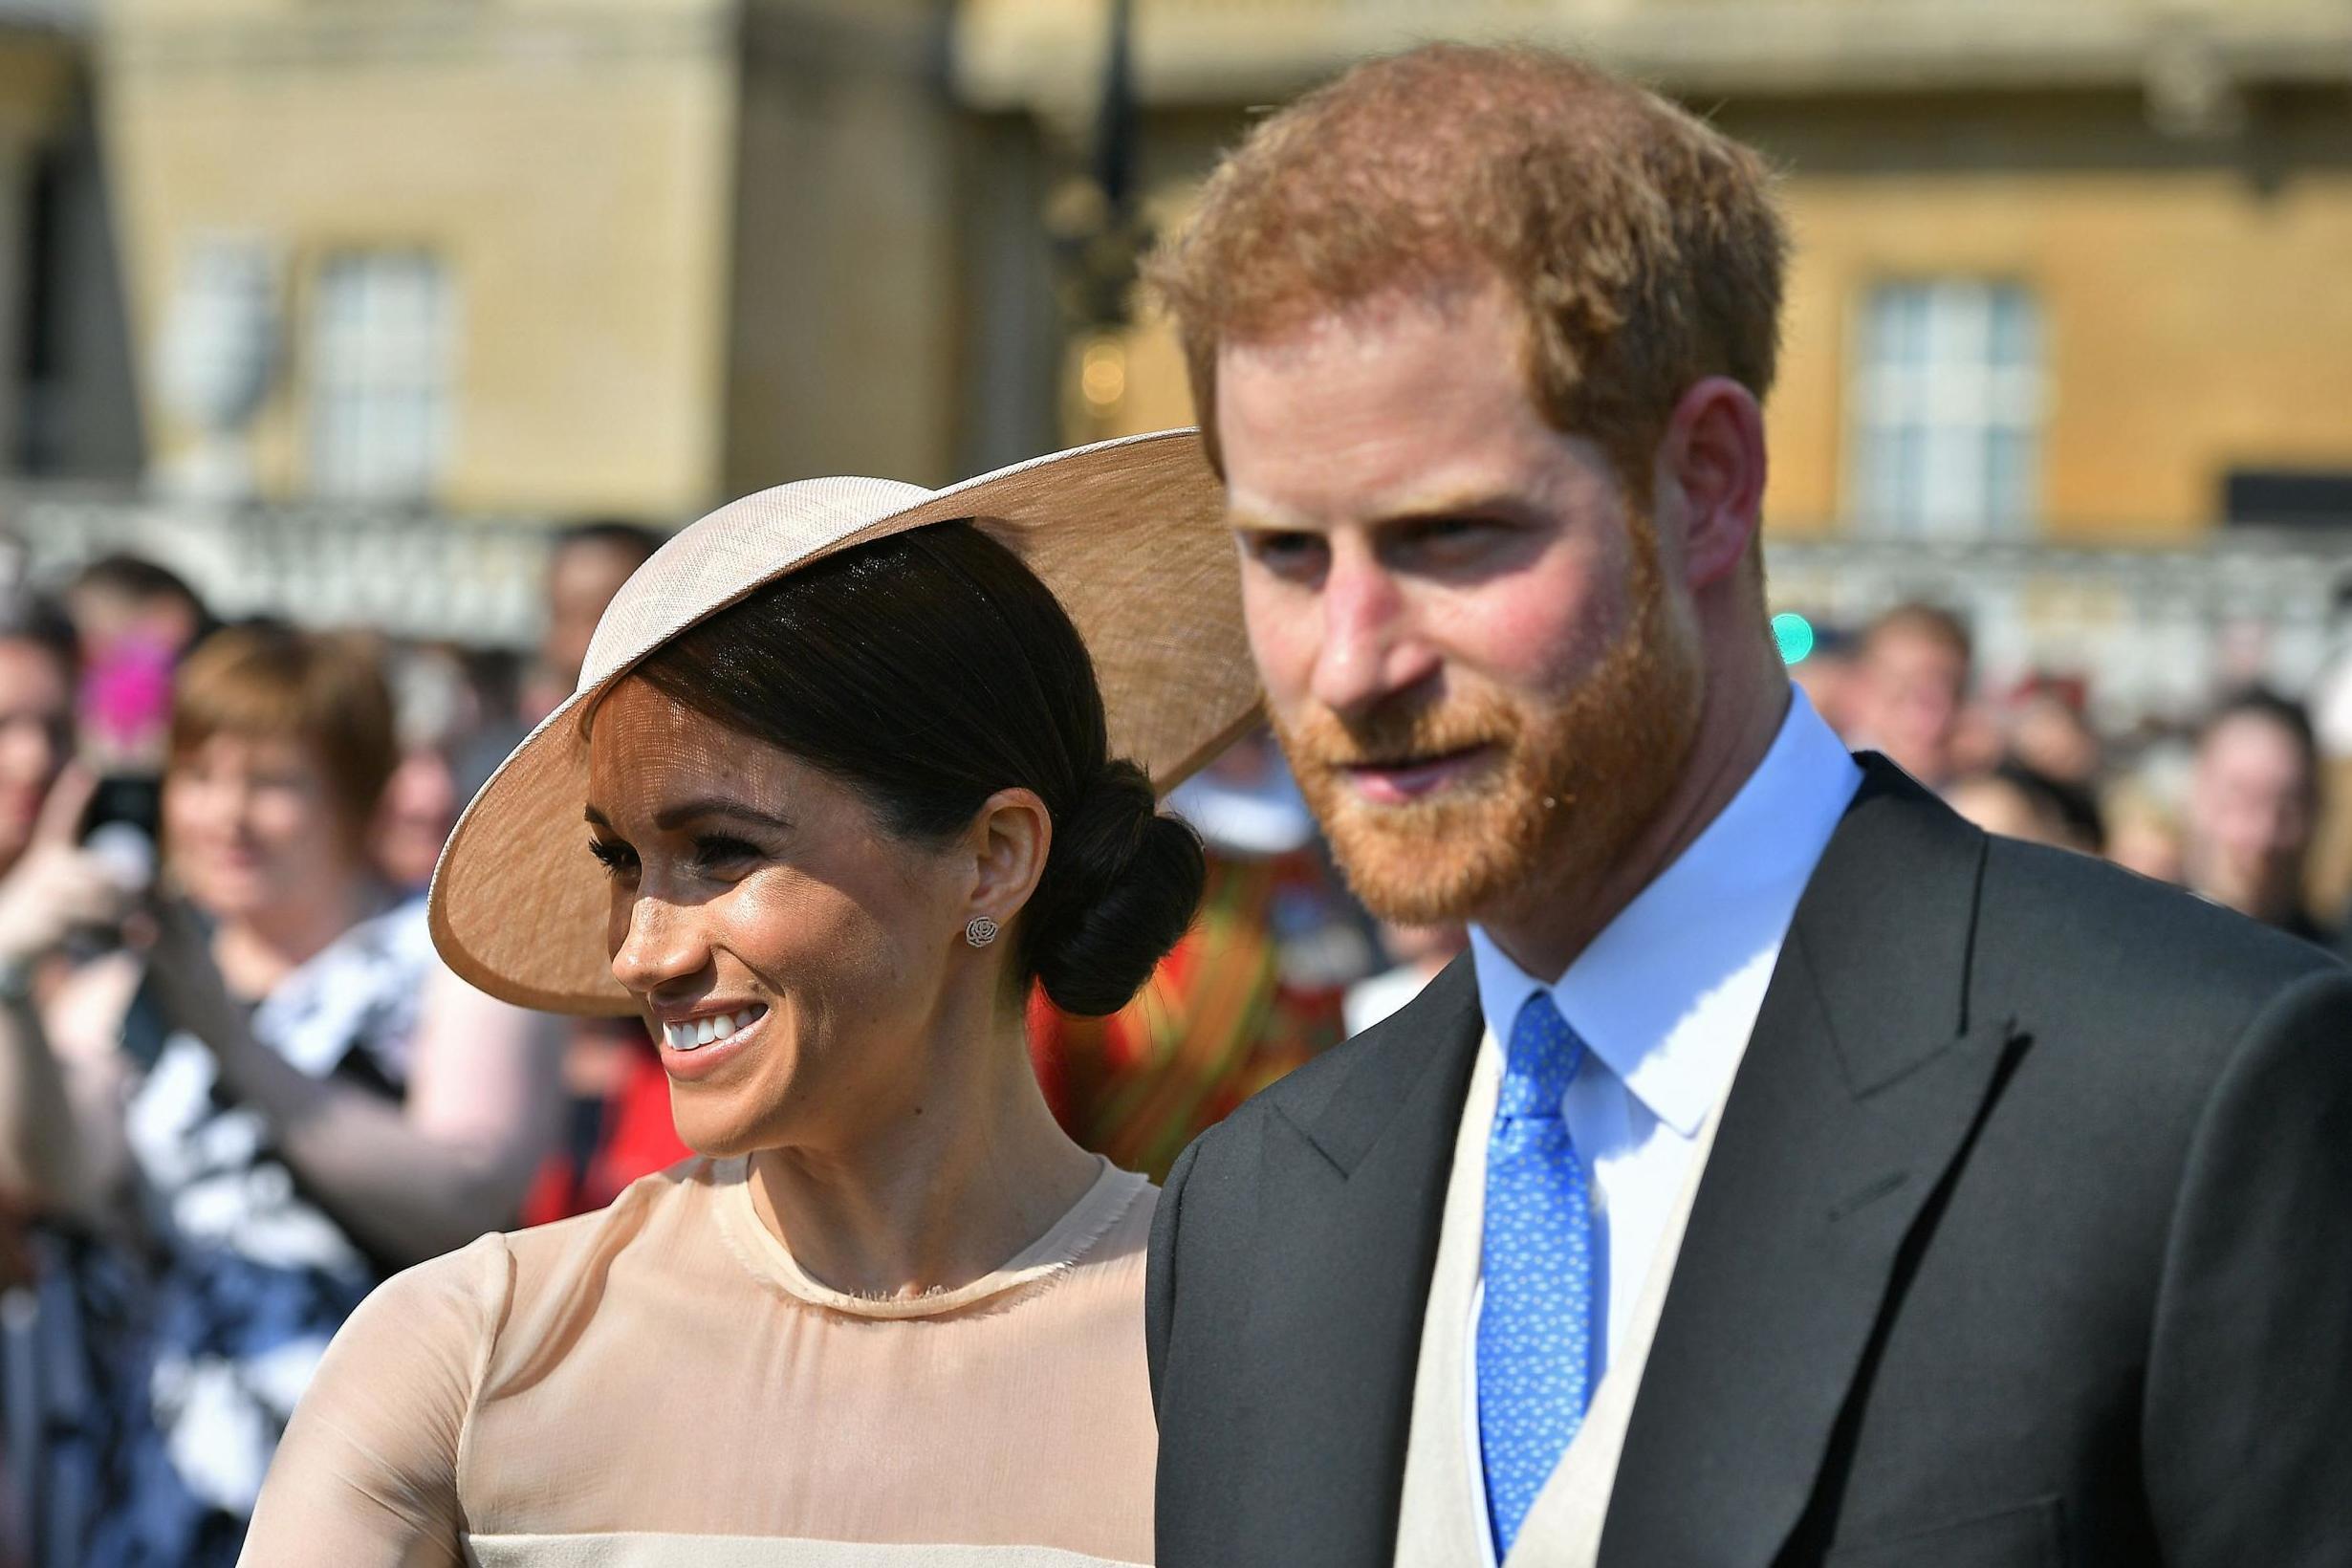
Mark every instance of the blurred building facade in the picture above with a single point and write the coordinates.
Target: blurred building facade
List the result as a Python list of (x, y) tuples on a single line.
[(560, 257), (67, 406), (2064, 272)]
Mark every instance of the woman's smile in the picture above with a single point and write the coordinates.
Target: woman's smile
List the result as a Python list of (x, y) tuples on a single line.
[(696, 1046)]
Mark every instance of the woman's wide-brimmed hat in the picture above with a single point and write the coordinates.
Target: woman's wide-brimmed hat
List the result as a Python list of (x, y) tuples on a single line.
[(1127, 533)]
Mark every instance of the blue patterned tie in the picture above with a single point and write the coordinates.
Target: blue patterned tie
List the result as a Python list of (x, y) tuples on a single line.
[(1535, 1349)]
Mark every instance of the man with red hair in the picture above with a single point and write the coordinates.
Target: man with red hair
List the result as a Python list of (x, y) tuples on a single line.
[(1790, 1175)]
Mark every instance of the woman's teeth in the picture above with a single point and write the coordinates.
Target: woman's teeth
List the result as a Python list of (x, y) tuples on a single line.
[(696, 1032)]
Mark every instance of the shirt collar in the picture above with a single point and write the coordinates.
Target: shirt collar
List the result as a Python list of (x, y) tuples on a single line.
[(1666, 994)]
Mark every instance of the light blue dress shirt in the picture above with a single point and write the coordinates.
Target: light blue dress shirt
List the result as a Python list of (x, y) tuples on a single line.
[(1665, 997)]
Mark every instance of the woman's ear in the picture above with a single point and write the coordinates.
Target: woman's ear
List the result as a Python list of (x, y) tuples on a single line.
[(1011, 838)]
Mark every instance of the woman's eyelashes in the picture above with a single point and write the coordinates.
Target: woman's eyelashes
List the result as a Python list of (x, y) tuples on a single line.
[(616, 857), (718, 855)]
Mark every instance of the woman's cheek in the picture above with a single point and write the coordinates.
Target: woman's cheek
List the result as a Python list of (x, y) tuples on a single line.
[(836, 962), (187, 814), (287, 820)]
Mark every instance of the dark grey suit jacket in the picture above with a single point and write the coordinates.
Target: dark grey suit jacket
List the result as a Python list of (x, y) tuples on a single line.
[(2026, 1240)]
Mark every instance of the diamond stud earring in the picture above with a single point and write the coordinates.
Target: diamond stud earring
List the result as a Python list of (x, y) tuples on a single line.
[(981, 931)]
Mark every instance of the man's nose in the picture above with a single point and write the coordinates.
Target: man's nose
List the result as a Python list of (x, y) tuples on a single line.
[(1371, 647)]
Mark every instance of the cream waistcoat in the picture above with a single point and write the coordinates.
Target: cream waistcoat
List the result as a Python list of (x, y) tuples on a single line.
[(1443, 1514)]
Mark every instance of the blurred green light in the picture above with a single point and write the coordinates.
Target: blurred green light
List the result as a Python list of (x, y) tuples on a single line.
[(1795, 635)]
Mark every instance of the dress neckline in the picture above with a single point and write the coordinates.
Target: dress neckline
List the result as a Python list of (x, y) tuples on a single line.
[(1066, 1241)]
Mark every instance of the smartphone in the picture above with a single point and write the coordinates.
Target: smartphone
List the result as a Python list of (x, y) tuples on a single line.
[(132, 800), (118, 829)]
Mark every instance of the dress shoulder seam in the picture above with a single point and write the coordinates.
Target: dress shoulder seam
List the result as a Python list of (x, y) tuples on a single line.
[(494, 1288)]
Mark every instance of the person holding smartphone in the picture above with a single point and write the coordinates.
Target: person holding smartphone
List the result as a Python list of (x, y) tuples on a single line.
[(272, 1098)]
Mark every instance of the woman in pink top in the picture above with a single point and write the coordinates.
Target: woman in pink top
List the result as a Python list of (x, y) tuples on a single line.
[(837, 789)]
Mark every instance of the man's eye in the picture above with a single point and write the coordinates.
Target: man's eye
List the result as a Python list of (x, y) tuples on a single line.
[(1285, 552), (1442, 532)]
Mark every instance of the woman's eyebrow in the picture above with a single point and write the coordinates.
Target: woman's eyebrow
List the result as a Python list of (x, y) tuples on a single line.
[(670, 818)]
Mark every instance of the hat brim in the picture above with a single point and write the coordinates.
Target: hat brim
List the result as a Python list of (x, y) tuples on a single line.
[(1128, 534)]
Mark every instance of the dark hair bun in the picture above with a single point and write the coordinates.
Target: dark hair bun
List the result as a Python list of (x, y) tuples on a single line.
[(1121, 886)]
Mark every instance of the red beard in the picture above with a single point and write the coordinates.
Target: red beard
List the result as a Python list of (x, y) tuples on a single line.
[(1573, 773)]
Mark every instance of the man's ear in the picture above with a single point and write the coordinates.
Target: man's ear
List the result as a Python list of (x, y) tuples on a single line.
[(1009, 840), (1713, 452)]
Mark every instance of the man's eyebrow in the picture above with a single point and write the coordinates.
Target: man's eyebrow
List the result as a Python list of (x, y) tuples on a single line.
[(1242, 521), (1444, 504), (670, 818), (1436, 506)]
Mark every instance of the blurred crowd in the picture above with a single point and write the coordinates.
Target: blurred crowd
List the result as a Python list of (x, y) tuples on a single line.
[(2244, 806), (238, 1087)]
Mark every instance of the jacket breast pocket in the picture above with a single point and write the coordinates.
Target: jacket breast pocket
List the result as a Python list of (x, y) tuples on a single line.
[(2031, 1537)]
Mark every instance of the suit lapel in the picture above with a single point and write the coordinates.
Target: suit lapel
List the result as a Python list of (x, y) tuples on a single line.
[(1335, 1322), (1863, 1081)]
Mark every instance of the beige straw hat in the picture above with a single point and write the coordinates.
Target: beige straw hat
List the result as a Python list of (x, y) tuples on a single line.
[(1127, 533)]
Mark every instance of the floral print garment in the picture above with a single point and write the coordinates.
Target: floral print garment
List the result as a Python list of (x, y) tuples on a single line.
[(250, 1277)]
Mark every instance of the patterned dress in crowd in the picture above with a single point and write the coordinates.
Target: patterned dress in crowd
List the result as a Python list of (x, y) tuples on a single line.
[(246, 1276)]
